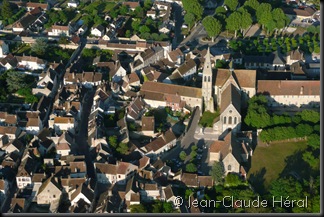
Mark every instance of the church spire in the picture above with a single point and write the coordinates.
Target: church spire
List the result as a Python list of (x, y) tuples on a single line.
[(207, 83)]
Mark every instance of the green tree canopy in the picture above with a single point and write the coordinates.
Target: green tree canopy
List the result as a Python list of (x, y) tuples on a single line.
[(136, 25), (138, 208), (246, 18), (113, 141), (147, 4), (251, 6), (233, 22), (220, 10), (15, 80), (213, 26), (122, 148), (40, 46), (6, 10), (191, 168), (194, 7), (231, 4), (189, 19), (263, 8), (217, 172), (183, 155), (144, 29)]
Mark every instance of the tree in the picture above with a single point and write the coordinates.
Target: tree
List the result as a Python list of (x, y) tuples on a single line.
[(193, 154), (217, 172), (231, 4), (136, 25), (6, 11), (193, 6), (40, 46), (303, 130), (310, 116), (183, 155), (257, 113), (232, 180), (314, 141), (280, 18), (139, 12), (251, 6), (138, 208), (122, 148), (191, 168), (246, 19), (63, 40), (284, 187), (147, 4), (213, 26), (189, 19), (144, 29), (233, 22), (220, 10), (15, 80), (162, 207), (113, 141), (123, 10), (263, 8)]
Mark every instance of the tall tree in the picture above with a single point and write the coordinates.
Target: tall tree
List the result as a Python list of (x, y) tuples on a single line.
[(15, 80), (280, 18), (6, 10), (231, 4), (213, 26), (217, 172), (263, 8), (189, 19), (147, 4), (40, 46), (246, 19), (193, 6), (233, 22), (265, 18), (251, 6)]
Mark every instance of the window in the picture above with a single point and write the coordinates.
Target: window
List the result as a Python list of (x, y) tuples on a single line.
[(224, 120), (204, 78), (229, 168), (235, 119), (208, 78), (230, 120)]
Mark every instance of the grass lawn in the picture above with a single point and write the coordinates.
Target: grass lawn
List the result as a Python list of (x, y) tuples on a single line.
[(268, 163), (207, 119)]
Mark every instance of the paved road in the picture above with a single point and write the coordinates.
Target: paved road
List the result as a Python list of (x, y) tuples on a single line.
[(178, 18), (198, 31), (81, 137)]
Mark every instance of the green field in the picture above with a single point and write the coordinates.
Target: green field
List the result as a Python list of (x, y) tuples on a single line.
[(271, 162)]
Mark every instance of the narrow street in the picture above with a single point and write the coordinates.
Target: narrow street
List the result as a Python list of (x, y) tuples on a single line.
[(81, 136), (59, 83)]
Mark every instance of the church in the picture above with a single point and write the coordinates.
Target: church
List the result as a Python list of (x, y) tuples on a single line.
[(228, 89)]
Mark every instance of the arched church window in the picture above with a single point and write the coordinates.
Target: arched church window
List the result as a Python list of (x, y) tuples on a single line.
[(208, 78), (224, 120), (230, 120), (235, 119), (204, 78)]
